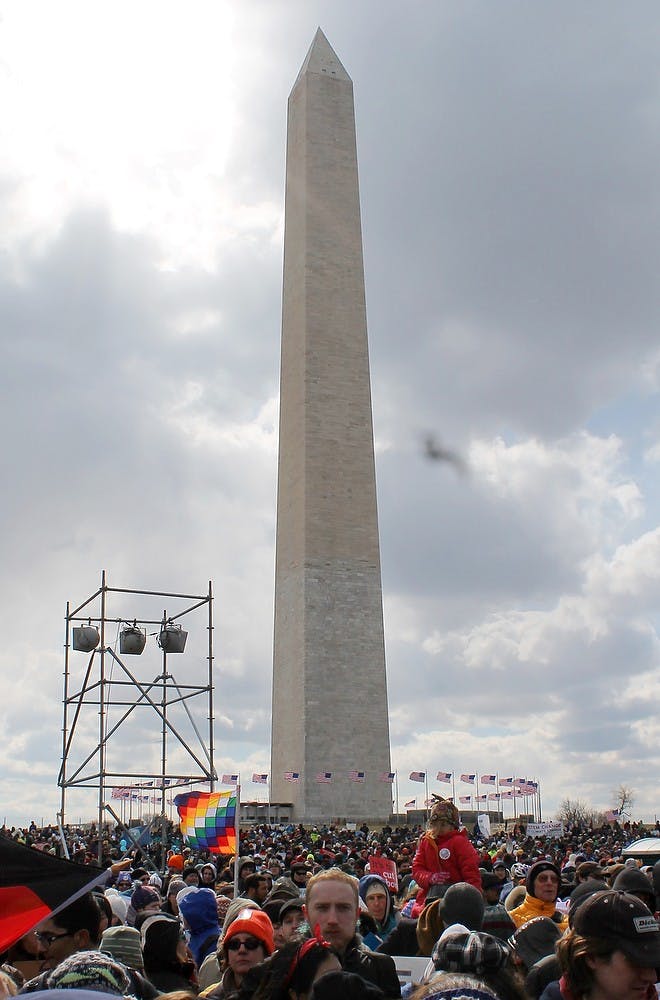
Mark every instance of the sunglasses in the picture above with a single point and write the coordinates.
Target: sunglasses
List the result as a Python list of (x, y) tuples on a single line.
[(251, 944)]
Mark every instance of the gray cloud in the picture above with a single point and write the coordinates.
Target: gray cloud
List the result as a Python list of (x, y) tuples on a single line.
[(510, 213)]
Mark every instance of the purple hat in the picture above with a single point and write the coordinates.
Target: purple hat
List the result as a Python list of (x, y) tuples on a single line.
[(144, 896)]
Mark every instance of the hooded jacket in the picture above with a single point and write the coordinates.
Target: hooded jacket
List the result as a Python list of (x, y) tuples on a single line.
[(199, 910), (451, 856), (389, 920)]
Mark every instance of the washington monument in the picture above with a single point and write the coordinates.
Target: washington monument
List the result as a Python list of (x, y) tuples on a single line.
[(330, 718)]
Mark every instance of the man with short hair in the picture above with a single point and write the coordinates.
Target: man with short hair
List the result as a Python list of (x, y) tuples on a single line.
[(256, 888), (75, 928), (332, 903)]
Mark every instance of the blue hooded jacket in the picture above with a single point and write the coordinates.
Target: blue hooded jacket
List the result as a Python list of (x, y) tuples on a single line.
[(200, 912)]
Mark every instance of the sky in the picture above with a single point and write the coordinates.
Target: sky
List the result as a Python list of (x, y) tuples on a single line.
[(510, 196)]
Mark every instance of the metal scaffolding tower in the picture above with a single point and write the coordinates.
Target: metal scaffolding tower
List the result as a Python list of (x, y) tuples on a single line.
[(121, 747)]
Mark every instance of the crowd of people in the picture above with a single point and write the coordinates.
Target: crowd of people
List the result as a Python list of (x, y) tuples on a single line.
[(333, 911)]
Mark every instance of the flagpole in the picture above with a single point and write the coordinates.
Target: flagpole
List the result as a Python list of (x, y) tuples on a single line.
[(426, 792), (515, 811), (65, 847), (453, 786), (396, 790), (238, 835)]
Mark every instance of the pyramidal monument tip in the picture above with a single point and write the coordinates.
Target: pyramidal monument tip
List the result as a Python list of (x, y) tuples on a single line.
[(322, 58)]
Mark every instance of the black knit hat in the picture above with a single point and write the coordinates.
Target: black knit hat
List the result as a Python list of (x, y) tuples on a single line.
[(580, 893), (634, 881), (535, 871), (463, 904)]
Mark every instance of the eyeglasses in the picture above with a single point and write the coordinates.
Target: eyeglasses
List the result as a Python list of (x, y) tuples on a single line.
[(47, 939), (251, 944)]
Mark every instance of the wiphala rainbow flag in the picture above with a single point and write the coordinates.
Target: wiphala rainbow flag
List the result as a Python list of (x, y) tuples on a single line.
[(208, 819)]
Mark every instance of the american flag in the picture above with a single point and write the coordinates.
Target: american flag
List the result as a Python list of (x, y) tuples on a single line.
[(493, 795), (612, 814), (464, 798), (506, 781), (481, 798), (229, 779), (324, 777), (259, 779), (443, 776), (428, 803), (488, 779), (386, 776), (121, 793), (468, 779), (356, 775), (409, 805), (291, 776), (507, 795), (418, 775)]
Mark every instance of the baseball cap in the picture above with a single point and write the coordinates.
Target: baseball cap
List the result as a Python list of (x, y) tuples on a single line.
[(626, 920)]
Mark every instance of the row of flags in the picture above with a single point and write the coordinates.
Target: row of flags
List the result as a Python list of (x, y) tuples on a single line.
[(322, 777), (467, 799), (517, 785), (137, 792)]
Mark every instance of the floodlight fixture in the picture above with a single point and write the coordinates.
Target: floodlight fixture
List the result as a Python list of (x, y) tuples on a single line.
[(132, 640), (172, 638), (86, 638)]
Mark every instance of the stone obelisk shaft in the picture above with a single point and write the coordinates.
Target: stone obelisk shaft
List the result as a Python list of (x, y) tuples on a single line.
[(329, 683)]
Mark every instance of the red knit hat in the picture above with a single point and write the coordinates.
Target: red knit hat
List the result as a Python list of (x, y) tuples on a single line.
[(254, 922)]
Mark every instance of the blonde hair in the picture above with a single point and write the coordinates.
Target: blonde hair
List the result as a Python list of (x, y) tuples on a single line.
[(332, 875)]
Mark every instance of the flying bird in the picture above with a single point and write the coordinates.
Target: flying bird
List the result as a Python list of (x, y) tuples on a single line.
[(436, 452)]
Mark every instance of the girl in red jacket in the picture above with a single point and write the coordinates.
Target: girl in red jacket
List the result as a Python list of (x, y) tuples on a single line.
[(444, 854)]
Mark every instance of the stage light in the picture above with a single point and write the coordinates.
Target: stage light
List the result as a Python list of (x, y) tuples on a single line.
[(85, 638), (172, 638), (132, 640)]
